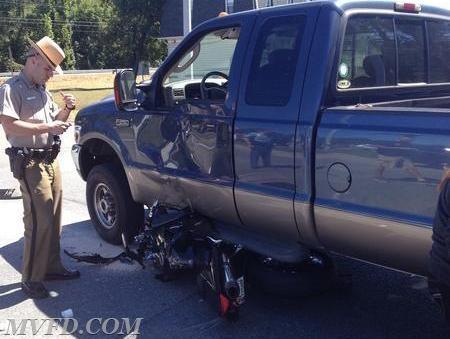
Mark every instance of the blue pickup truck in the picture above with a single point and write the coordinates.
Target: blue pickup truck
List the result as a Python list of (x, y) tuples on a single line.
[(322, 125)]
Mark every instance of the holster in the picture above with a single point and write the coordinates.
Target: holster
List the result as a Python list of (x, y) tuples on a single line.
[(17, 161), (56, 147)]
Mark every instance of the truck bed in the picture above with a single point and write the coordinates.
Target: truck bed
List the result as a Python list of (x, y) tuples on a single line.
[(381, 162), (439, 102)]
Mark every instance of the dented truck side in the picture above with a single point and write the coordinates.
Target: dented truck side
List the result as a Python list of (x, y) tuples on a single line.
[(293, 127)]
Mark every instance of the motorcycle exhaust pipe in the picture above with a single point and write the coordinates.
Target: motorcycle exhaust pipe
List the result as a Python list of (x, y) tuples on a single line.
[(231, 286)]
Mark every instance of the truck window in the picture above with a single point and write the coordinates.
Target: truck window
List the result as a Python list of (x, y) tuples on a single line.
[(211, 53), (368, 55), (371, 50), (274, 61), (439, 32), (411, 51)]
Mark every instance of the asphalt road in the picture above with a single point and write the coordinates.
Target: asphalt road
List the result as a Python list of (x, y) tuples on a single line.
[(380, 304)]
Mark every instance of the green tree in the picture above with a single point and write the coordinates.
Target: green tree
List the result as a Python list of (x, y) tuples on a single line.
[(133, 30), (41, 22), (4, 34), (92, 33), (47, 26), (10, 28), (63, 35), (91, 22)]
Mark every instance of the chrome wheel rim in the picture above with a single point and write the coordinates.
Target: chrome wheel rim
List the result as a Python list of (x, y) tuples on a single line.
[(105, 206)]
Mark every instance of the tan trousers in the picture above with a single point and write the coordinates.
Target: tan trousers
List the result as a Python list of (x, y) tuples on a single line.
[(42, 199)]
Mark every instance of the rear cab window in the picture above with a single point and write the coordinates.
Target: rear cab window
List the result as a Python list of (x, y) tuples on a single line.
[(389, 50), (439, 47)]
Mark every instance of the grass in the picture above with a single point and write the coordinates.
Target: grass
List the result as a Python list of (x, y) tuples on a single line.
[(84, 97), (87, 88)]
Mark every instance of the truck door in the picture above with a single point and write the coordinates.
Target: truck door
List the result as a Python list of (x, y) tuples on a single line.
[(265, 124), (199, 86)]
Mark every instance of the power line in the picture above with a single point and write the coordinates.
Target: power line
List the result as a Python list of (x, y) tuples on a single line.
[(21, 2), (74, 30), (78, 28), (34, 3), (92, 24), (56, 21)]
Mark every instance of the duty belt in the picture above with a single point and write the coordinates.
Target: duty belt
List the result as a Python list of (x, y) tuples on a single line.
[(46, 155), (20, 157), (36, 154)]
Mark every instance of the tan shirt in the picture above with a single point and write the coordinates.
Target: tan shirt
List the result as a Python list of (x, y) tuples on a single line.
[(21, 99)]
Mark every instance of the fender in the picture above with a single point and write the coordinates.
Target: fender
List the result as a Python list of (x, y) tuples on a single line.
[(115, 147)]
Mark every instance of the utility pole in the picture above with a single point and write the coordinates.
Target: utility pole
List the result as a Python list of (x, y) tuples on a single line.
[(187, 16), (187, 23)]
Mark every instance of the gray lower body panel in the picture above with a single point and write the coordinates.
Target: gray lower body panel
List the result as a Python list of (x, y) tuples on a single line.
[(388, 243), (211, 200), (306, 225), (269, 215)]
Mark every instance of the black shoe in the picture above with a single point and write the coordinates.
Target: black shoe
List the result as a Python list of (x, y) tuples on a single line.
[(35, 289), (67, 274)]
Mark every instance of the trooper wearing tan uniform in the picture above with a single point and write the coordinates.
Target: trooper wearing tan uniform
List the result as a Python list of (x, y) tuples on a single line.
[(32, 122)]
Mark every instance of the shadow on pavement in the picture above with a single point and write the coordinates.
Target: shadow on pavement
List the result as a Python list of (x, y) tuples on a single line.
[(77, 235), (10, 193), (11, 295), (381, 304)]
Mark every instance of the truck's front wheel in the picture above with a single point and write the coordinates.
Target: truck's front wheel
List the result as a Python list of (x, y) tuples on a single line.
[(111, 206)]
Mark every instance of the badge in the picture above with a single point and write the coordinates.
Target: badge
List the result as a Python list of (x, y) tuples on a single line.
[(344, 84)]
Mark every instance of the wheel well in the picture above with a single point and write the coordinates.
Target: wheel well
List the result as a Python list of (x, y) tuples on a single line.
[(96, 152)]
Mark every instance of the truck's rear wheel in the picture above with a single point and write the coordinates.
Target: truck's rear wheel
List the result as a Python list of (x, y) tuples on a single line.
[(111, 206)]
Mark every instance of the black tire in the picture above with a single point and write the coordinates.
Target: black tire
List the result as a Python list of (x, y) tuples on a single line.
[(110, 204), (311, 277)]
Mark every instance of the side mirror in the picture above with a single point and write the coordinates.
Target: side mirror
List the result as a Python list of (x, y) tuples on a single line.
[(125, 90)]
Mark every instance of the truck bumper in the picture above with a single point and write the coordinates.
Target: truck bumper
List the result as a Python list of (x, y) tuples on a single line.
[(76, 149)]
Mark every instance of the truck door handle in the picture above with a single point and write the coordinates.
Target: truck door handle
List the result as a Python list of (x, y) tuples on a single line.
[(123, 123)]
